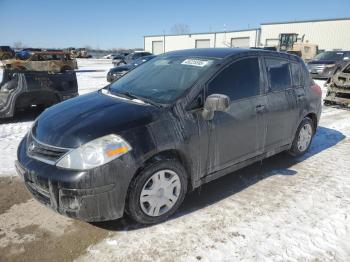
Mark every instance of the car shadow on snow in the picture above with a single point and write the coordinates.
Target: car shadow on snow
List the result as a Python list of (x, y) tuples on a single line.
[(219, 189)]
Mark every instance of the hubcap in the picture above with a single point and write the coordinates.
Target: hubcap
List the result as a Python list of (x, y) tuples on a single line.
[(160, 193), (304, 137)]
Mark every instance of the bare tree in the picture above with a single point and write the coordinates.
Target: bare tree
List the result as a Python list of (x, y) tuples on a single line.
[(18, 44), (179, 29)]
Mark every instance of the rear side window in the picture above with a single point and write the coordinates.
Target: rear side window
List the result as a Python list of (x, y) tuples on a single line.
[(278, 74), (239, 80), (296, 74)]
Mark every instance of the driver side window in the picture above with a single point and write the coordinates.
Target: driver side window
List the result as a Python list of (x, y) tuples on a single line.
[(239, 80)]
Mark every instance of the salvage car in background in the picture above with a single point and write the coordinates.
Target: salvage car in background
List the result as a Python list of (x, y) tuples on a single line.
[(326, 64), (117, 59), (117, 72), (131, 57), (6, 52), (170, 125), (338, 88), (20, 90), (49, 61)]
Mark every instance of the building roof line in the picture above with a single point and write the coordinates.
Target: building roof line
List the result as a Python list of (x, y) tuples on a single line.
[(207, 33), (306, 21), (254, 29)]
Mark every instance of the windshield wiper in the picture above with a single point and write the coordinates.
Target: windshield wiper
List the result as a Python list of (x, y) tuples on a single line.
[(133, 96)]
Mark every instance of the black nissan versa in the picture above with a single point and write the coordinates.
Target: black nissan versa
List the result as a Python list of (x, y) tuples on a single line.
[(180, 120)]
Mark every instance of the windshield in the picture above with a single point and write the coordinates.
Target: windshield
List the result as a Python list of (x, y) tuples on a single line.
[(162, 79), (330, 56)]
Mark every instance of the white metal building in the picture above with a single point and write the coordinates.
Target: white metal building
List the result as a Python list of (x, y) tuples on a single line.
[(328, 34), (164, 43)]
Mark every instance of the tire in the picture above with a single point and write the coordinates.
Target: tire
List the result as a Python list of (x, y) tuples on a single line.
[(303, 137), (156, 211)]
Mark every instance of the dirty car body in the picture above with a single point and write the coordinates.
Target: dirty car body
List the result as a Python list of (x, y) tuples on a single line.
[(20, 90), (162, 113)]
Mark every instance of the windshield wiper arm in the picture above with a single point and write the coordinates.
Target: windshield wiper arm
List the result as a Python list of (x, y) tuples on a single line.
[(133, 96)]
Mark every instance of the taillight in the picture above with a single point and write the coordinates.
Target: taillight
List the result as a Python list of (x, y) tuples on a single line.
[(317, 89)]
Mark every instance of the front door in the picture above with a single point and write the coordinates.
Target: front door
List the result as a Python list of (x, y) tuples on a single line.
[(239, 133)]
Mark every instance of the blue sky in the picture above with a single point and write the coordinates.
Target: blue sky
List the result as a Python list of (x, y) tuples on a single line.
[(108, 24)]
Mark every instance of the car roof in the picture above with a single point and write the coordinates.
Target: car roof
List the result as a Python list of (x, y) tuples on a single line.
[(226, 52)]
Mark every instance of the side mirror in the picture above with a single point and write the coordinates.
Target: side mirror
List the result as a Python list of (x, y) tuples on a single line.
[(215, 102)]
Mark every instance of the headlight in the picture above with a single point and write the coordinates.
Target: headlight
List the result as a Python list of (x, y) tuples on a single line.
[(95, 153)]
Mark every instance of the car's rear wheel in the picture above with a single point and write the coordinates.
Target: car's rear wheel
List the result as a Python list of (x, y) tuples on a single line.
[(157, 192), (303, 137)]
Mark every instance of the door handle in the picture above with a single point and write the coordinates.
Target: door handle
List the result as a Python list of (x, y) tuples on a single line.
[(260, 108), (300, 97)]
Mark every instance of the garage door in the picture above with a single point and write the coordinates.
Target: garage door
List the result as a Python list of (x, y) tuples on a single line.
[(242, 42), (202, 43), (157, 47), (271, 42)]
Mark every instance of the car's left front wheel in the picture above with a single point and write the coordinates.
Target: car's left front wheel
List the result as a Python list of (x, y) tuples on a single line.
[(157, 192)]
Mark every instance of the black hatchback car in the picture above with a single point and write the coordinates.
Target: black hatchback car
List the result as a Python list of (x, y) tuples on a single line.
[(180, 120)]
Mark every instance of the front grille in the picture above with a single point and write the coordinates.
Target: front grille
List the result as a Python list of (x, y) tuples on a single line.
[(316, 67), (42, 152)]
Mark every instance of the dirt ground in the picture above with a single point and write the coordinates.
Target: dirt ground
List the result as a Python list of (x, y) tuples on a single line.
[(280, 209)]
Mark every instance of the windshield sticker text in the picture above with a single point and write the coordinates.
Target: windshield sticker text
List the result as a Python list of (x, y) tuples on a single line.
[(195, 62)]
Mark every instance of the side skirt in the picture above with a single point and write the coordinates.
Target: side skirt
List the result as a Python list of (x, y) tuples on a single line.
[(240, 165)]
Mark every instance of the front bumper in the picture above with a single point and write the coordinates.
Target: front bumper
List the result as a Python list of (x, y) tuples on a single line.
[(94, 195)]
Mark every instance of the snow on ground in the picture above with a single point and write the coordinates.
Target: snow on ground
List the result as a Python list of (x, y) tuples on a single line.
[(92, 73)]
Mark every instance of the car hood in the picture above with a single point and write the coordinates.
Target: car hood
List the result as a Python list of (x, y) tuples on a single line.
[(323, 62), (79, 120)]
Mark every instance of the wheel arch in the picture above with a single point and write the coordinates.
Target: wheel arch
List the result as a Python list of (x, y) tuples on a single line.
[(169, 154), (314, 119)]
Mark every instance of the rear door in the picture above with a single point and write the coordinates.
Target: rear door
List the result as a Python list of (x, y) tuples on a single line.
[(239, 133), (283, 109)]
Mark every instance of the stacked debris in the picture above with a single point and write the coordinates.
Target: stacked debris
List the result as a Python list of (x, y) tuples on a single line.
[(338, 88)]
